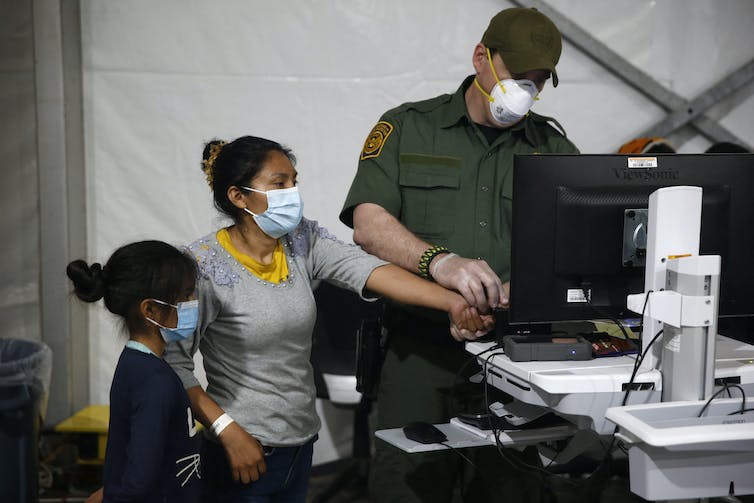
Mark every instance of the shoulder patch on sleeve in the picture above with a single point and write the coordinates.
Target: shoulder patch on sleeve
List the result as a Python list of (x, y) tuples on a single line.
[(376, 139)]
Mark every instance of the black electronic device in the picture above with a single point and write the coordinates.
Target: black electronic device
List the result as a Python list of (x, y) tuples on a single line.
[(424, 433), (503, 328), (547, 348), (491, 421), (578, 222)]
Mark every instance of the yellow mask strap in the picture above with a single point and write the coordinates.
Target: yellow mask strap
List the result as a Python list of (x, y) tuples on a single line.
[(476, 83), (489, 58)]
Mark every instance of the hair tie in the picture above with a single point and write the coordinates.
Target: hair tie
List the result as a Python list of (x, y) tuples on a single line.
[(209, 162), (96, 271)]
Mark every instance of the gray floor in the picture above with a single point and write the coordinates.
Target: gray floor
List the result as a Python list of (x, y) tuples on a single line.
[(321, 481), (616, 490)]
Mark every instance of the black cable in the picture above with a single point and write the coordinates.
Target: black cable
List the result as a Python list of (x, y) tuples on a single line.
[(724, 388), (515, 463), (543, 472), (518, 464), (640, 357), (742, 411), (637, 364), (473, 465), (453, 387), (604, 315)]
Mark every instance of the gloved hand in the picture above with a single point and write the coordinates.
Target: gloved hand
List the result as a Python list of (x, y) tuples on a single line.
[(474, 279), (466, 323), (463, 334)]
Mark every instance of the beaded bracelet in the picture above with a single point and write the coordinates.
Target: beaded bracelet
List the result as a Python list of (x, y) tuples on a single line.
[(426, 259)]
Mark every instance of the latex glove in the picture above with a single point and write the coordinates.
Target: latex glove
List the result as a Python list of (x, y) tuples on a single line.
[(505, 302), (461, 334), (467, 324), (245, 454), (474, 279)]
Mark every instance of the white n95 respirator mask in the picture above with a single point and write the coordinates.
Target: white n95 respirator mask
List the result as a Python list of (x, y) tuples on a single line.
[(510, 100)]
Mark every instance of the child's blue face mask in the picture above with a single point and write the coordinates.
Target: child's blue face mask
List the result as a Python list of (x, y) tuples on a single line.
[(188, 317)]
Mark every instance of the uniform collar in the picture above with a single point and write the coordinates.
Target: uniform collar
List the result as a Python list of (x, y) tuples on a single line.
[(456, 112)]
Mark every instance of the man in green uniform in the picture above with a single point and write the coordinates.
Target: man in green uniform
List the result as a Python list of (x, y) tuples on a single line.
[(433, 194)]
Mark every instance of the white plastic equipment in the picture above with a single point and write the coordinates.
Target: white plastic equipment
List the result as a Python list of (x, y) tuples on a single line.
[(683, 448)]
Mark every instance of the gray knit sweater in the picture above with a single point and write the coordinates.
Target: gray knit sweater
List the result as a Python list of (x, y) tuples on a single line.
[(255, 337)]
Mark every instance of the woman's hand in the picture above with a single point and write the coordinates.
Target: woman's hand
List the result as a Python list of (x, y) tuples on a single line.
[(245, 454), (466, 323)]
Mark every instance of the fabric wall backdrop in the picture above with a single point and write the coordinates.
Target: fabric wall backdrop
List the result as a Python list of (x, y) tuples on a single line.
[(19, 218), (161, 78)]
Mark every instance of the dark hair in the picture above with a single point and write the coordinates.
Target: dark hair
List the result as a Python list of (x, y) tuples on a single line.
[(726, 147), (237, 163), (134, 272)]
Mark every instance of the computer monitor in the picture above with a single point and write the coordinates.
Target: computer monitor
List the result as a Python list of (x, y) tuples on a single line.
[(579, 220)]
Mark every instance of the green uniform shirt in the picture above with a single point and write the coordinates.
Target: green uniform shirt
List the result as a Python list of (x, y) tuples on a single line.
[(432, 168)]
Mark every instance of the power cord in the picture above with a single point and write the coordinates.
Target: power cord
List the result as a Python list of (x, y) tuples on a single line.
[(605, 315), (744, 411), (515, 463), (456, 378), (629, 386), (725, 387), (543, 473), (465, 458)]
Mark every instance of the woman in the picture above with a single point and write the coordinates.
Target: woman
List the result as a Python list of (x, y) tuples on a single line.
[(152, 446), (256, 319)]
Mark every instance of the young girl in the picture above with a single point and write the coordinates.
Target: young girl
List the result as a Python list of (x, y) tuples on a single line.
[(152, 446)]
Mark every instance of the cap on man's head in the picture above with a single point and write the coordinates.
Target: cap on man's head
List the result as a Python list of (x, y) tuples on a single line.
[(526, 40)]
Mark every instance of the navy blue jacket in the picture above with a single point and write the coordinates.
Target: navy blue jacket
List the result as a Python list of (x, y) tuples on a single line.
[(152, 445)]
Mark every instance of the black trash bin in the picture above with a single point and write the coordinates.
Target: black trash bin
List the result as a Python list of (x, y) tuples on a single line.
[(25, 368)]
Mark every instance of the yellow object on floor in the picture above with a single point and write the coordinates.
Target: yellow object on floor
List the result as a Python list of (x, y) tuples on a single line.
[(93, 419)]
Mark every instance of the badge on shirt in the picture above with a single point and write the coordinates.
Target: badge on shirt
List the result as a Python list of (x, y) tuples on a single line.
[(376, 139)]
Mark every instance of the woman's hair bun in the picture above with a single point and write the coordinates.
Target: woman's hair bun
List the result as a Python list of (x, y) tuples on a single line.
[(88, 281), (209, 156)]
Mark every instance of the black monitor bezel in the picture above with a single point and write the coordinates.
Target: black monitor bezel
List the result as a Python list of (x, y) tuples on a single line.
[(535, 180)]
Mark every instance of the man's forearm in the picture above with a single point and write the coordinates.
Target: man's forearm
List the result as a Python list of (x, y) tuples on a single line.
[(381, 234)]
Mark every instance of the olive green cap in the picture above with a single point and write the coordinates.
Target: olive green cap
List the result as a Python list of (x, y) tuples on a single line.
[(526, 40)]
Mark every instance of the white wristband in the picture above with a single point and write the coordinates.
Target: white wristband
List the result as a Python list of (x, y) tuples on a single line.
[(220, 424)]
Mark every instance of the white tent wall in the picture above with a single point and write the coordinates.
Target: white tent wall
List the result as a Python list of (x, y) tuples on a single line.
[(42, 198), (160, 78), (19, 218)]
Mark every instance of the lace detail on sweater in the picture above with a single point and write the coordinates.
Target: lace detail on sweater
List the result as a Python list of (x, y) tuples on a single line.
[(300, 238), (213, 265)]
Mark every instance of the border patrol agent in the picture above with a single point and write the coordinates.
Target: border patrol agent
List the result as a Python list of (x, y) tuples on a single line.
[(433, 194)]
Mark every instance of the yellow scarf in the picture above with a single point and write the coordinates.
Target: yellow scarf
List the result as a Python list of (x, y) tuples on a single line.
[(274, 272)]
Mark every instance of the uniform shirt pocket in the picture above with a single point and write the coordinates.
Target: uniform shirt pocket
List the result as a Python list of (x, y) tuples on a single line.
[(429, 190)]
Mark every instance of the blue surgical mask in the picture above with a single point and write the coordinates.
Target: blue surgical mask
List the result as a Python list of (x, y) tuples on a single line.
[(188, 318), (283, 213)]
